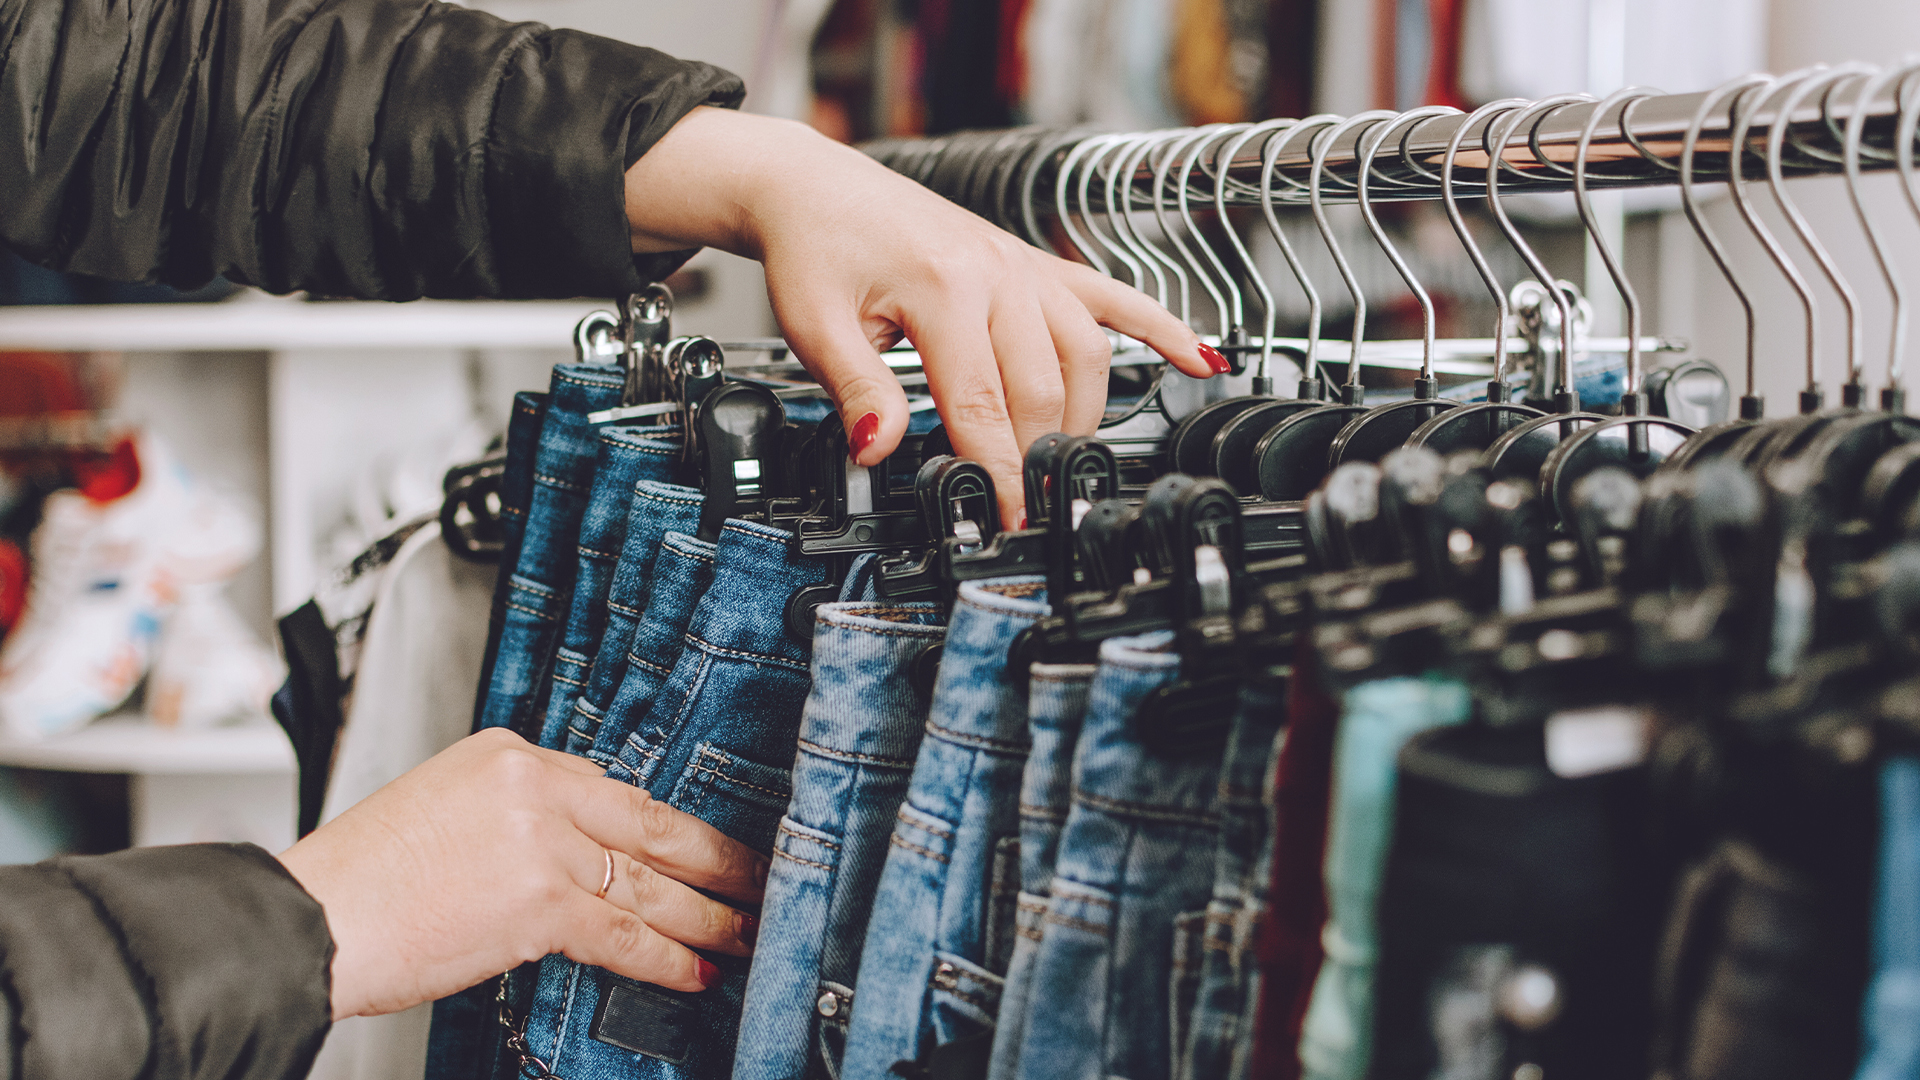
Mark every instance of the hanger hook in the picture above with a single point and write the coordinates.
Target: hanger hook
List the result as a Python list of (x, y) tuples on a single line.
[(1124, 195), (1089, 168), (1502, 311), (1905, 130), (1223, 161), (1628, 298), (1159, 161), (1271, 156), (1741, 116), (1318, 150), (1366, 153), (1776, 183), (1161, 205), (1850, 160), (1149, 148), (1751, 405), (1498, 135), (1062, 182), (1119, 161), (1196, 152)]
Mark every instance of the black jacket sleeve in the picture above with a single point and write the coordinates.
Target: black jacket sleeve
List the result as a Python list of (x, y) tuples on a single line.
[(382, 149), (175, 963)]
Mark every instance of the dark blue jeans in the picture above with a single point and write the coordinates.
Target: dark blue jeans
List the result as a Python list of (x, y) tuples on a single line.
[(941, 932), (1056, 708), (682, 574), (717, 742), (627, 457), (656, 511), (859, 733), (516, 492), (1136, 853), (1226, 946), (541, 584)]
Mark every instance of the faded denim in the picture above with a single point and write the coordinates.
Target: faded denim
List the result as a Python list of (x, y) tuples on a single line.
[(1056, 708), (541, 583), (682, 573), (1136, 854), (942, 926), (718, 743), (1226, 960), (1377, 720), (516, 491), (1892, 1016), (859, 733), (627, 457)]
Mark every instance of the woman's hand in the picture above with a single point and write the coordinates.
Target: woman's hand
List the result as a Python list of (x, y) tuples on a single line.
[(858, 257), (489, 856)]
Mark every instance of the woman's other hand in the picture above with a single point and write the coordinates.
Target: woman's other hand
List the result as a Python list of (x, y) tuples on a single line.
[(858, 257), (490, 855)]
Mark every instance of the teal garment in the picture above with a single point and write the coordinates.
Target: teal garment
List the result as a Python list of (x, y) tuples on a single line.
[(1892, 1015), (1377, 720)]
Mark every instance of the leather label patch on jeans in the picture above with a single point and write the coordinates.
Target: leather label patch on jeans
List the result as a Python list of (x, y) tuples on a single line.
[(647, 1020)]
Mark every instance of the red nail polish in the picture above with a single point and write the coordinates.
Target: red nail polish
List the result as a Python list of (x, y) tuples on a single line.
[(749, 929), (1215, 360), (709, 973), (864, 431)]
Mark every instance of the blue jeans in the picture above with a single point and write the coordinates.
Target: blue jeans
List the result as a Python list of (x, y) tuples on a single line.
[(718, 743), (541, 583), (1136, 853), (627, 456), (1891, 1048), (683, 572), (655, 511), (942, 925), (516, 491), (1226, 947), (1056, 707), (1377, 720), (859, 733)]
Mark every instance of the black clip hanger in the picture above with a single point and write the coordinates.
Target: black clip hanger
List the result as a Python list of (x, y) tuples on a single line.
[(957, 505), (1065, 476), (739, 428), (470, 513)]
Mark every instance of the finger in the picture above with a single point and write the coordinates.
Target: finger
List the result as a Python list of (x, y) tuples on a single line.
[(1085, 358), (601, 934), (675, 843), (681, 913), (1138, 316), (830, 345), (1030, 369), (957, 355)]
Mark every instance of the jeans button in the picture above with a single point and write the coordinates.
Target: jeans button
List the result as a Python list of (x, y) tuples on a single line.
[(828, 1005)]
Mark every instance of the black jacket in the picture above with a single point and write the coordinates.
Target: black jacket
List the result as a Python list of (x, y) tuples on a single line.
[(384, 149)]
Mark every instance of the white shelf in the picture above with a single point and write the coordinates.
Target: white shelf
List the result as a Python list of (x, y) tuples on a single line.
[(254, 322), (132, 744)]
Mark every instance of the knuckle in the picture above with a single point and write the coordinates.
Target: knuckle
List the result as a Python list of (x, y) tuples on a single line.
[(645, 880), (976, 405), (1045, 402)]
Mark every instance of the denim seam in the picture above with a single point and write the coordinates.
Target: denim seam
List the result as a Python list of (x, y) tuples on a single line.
[(530, 611), (1029, 933), (1031, 907), (985, 742), (743, 654), (518, 582), (1146, 811), (657, 669), (849, 755), (591, 384), (801, 861), (1081, 898), (1062, 677), (905, 820), (889, 631), (788, 830), (1142, 666), (557, 677), (717, 775), (625, 610), (677, 500), (576, 731), (916, 848), (1077, 924), (586, 552), (985, 1003), (559, 482), (687, 553)]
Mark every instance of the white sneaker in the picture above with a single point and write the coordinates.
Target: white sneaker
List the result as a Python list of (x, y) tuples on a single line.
[(105, 575), (209, 668)]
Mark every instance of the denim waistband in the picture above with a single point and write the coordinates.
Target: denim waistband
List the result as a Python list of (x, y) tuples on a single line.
[(973, 702), (857, 648)]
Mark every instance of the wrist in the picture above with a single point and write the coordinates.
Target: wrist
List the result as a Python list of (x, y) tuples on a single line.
[(697, 186)]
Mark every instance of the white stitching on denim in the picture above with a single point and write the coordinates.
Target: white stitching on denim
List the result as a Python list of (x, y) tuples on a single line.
[(916, 848), (849, 755)]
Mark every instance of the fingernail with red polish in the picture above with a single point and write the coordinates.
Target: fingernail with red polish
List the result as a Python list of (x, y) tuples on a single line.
[(709, 972), (1215, 360), (749, 929), (864, 431)]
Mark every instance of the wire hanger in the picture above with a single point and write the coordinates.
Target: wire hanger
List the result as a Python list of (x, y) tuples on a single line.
[(1476, 426), (1893, 398)]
